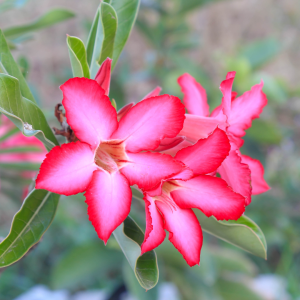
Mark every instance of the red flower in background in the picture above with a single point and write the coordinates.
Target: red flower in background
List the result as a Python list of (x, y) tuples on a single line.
[(111, 155)]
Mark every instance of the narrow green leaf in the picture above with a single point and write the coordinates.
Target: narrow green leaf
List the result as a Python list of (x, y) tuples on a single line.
[(28, 225), (127, 11), (19, 149), (102, 35), (92, 39), (25, 114), (50, 18), (243, 233), (130, 237), (9, 66), (109, 24), (78, 57)]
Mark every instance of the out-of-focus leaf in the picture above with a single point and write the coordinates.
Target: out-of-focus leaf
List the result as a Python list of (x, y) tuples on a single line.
[(78, 58), (130, 237), (230, 260), (236, 290), (20, 166), (83, 263), (188, 5), (266, 133), (25, 114), (134, 288), (127, 11), (100, 43), (50, 18), (261, 52), (28, 225), (24, 65), (20, 149), (243, 233), (272, 87), (10, 4), (9, 66)]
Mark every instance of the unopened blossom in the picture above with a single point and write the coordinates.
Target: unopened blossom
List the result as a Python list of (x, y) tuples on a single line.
[(110, 155), (234, 116), (169, 207)]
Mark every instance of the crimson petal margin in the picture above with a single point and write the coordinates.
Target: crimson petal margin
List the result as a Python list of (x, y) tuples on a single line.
[(109, 199), (67, 169), (185, 232), (149, 121), (211, 195), (207, 154), (88, 110)]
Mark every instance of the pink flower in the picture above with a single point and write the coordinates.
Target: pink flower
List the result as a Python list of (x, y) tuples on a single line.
[(169, 206), (234, 115), (111, 155), (19, 140)]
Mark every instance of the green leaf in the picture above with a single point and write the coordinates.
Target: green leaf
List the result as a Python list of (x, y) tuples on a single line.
[(127, 11), (243, 233), (78, 57), (25, 114), (28, 225), (130, 237), (82, 263), (100, 43), (9, 66), (50, 18)]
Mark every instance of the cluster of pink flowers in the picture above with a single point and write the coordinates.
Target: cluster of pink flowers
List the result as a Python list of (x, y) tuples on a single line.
[(171, 156)]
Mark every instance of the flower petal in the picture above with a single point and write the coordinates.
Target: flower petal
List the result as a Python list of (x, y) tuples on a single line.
[(124, 110), (149, 121), (169, 143), (236, 174), (88, 111), (246, 108), (196, 128), (67, 169), (148, 169), (258, 182), (185, 231), (226, 89), (103, 75), (211, 195), (207, 154), (109, 199), (155, 233), (153, 93), (195, 99)]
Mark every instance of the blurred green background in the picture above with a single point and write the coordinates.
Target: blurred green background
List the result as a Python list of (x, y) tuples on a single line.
[(259, 40)]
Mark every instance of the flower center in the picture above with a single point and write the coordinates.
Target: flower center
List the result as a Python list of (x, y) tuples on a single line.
[(111, 155)]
